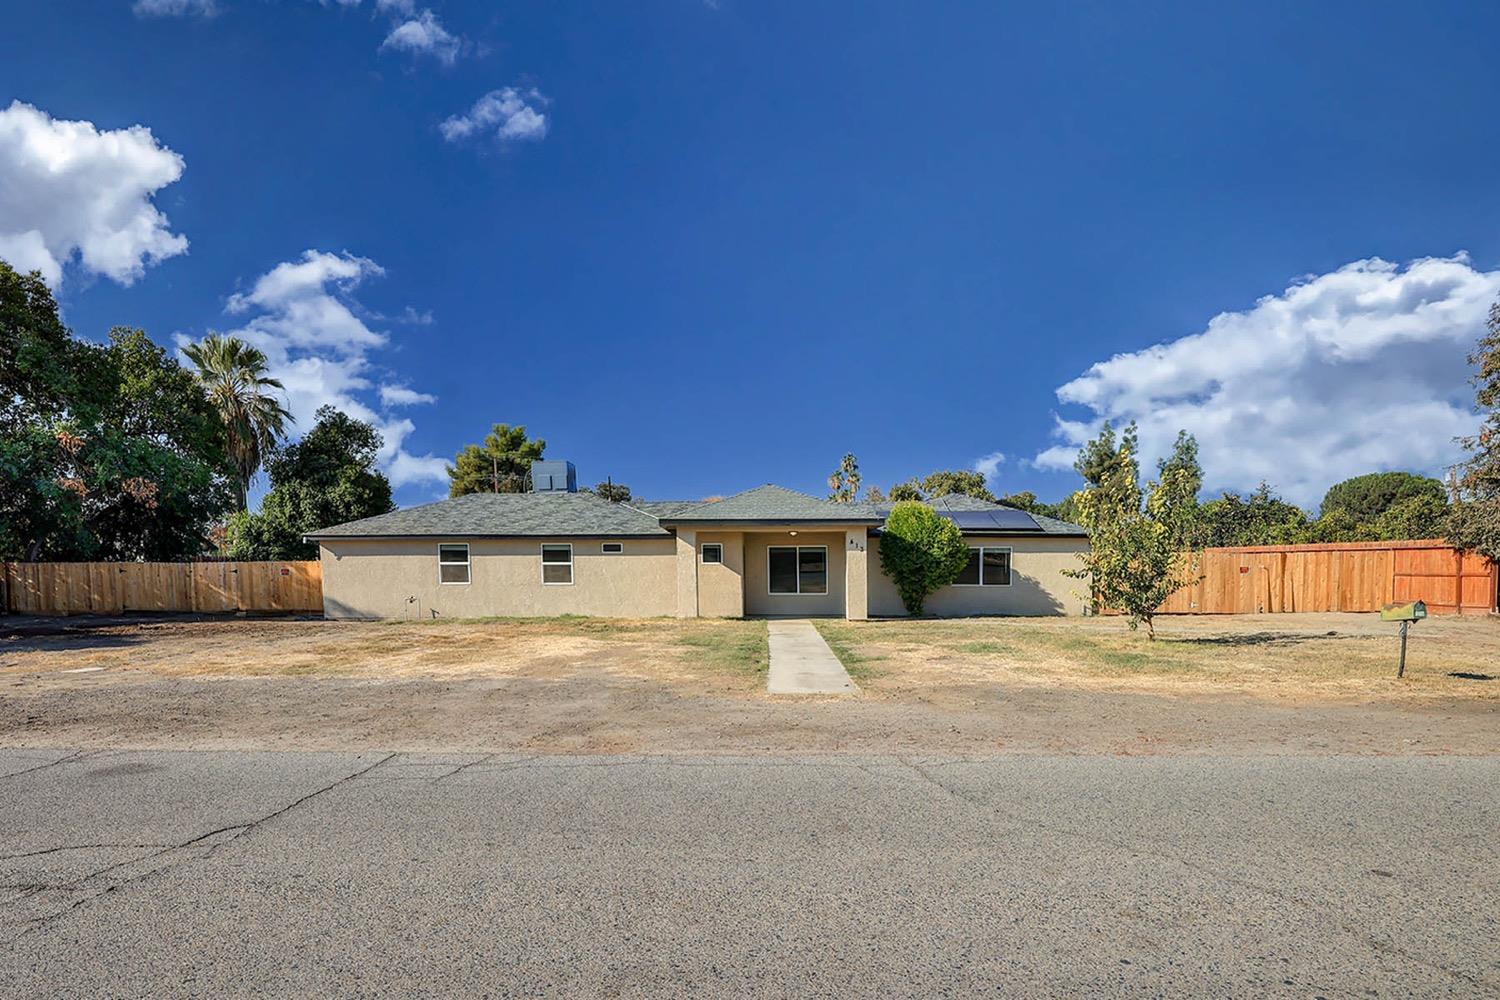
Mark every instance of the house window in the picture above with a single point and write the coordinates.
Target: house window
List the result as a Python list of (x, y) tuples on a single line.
[(557, 564), (713, 552), (987, 567), (612, 548), (453, 563), (797, 569)]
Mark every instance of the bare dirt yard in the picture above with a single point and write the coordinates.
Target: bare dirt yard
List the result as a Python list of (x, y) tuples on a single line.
[(1283, 684)]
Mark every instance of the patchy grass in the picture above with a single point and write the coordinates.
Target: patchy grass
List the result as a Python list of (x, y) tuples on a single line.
[(740, 647), (1282, 656), (843, 642)]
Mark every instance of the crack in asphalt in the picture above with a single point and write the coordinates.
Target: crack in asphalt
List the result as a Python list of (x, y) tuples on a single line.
[(238, 829), (1373, 943), (75, 755), (76, 847)]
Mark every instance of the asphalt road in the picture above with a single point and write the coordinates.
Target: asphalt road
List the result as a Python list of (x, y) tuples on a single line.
[(302, 874)]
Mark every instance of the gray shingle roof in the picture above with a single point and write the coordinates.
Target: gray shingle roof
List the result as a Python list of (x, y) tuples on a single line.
[(499, 515), (961, 502), (775, 503)]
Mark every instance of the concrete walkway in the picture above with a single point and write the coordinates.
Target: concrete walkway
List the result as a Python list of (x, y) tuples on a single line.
[(802, 663)]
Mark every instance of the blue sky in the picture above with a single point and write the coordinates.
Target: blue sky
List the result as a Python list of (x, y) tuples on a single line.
[(702, 246)]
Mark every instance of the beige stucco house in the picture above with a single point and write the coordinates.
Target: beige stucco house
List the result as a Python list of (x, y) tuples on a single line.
[(766, 551)]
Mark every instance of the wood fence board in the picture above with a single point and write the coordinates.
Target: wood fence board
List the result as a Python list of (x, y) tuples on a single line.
[(114, 588), (1352, 576)]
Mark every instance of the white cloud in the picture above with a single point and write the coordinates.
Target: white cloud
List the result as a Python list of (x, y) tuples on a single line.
[(423, 34), (71, 191), (1354, 371), (302, 315), (401, 395), (988, 465), (511, 113), (175, 8)]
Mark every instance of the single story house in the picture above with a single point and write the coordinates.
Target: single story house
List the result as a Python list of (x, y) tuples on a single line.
[(766, 551)]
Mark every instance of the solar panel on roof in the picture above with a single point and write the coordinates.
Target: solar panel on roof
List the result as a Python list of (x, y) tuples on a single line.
[(998, 519)]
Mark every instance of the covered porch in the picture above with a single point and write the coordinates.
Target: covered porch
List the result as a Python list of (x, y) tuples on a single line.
[(806, 570)]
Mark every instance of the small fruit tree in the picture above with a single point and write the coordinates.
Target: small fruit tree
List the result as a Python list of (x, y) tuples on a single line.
[(921, 552)]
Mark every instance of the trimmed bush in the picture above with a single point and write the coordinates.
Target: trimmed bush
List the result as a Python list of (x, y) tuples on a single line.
[(921, 552)]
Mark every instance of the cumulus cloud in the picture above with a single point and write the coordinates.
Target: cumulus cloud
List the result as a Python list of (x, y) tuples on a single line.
[(400, 395), (73, 192), (423, 34), (302, 314), (1357, 370), (988, 465), (510, 113), (174, 8)]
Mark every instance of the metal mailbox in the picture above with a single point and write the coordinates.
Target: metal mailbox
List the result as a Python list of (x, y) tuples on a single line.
[(1411, 611)]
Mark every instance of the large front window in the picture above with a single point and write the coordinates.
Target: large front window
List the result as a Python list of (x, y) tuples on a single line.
[(987, 567), (798, 569)]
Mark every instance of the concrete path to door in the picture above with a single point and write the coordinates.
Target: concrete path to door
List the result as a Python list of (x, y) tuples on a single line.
[(802, 663)]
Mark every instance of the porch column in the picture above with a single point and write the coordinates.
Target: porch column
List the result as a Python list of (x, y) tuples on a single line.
[(856, 574), (687, 573)]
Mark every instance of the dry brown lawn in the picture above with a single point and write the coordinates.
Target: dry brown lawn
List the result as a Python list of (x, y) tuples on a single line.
[(1315, 656)]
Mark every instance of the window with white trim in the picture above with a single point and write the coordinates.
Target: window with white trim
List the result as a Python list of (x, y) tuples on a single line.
[(713, 552), (988, 566), (611, 548), (557, 564), (453, 563), (797, 569)]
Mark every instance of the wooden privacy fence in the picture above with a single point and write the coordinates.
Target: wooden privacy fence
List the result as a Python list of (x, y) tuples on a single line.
[(113, 588), (1343, 576)]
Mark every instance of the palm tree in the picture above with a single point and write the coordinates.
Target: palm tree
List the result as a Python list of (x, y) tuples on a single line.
[(234, 373)]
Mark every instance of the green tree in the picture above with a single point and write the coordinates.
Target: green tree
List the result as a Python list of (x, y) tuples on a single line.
[(1101, 458), (843, 483), (502, 464), (921, 552), (247, 399), (613, 492), (1263, 518), (327, 478), (1139, 555), (875, 495), (1184, 459), (1369, 496), (1413, 517), (37, 353), (1023, 500), (966, 482), (905, 492), (1474, 520)]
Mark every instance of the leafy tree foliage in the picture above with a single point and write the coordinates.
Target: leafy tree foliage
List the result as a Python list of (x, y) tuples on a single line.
[(966, 482), (1422, 516), (502, 464), (1367, 497), (1184, 459), (921, 552), (1262, 518), (905, 492), (1136, 558), (613, 492), (1102, 458), (327, 478), (843, 482), (1474, 522), (108, 452), (875, 495), (247, 399)]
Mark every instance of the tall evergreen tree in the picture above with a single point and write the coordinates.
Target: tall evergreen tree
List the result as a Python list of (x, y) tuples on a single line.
[(502, 464)]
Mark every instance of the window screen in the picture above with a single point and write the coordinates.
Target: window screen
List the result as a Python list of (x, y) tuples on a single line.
[(557, 564), (713, 552), (812, 570), (970, 575), (783, 569), (453, 563), (997, 567)]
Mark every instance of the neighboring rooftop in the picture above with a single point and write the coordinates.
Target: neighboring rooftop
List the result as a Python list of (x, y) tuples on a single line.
[(774, 504), (505, 515)]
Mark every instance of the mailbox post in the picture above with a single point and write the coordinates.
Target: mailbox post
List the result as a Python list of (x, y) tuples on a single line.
[(1412, 611)]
